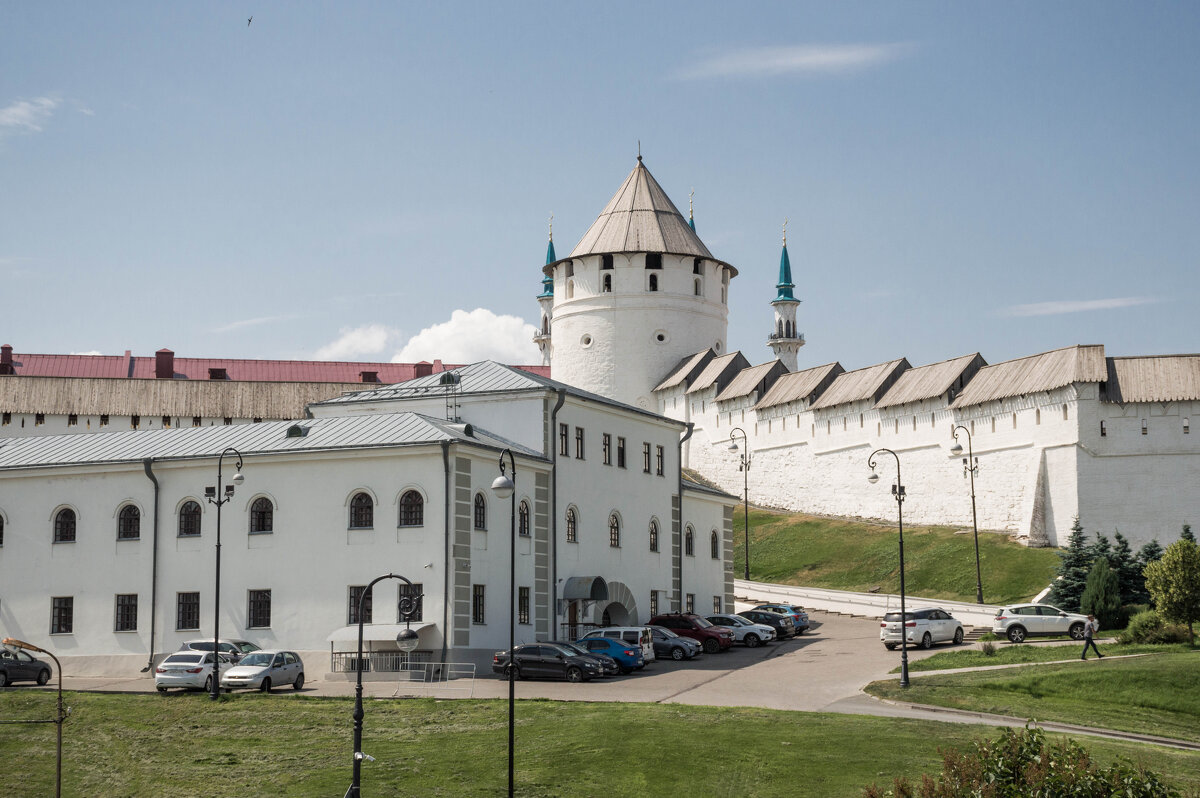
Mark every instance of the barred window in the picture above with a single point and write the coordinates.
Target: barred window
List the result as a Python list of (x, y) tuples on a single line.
[(716, 603), (620, 452), (64, 526), (129, 523), (579, 443), (689, 542), (62, 615), (415, 590), (653, 603), (362, 511), (189, 519), (523, 519), (653, 536), (715, 545), (614, 531), (646, 458), (1, 530), (258, 614), (522, 605), (659, 460), (606, 440), (262, 517), (356, 595), (564, 440), (480, 512), (187, 611), (572, 532), (690, 604), (477, 604), (127, 612), (412, 509)]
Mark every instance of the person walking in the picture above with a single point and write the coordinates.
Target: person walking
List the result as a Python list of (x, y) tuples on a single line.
[(1089, 629)]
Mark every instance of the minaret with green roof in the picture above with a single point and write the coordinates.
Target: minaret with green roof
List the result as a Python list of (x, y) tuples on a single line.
[(785, 341), (546, 301)]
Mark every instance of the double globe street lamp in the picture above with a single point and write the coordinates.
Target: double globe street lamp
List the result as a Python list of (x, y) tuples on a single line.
[(744, 467), (224, 498), (505, 488), (971, 468), (898, 494)]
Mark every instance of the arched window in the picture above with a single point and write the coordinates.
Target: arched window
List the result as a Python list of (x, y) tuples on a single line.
[(715, 545), (607, 286), (412, 509), (689, 542), (129, 523), (189, 520), (653, 282), (570, 289), (262, 516), (653, 536), (1, 530), (480, 512), (1064, 412), (572, 526), (64, 526), (614, 531), (523, 519), (697, 286), (362, 511)]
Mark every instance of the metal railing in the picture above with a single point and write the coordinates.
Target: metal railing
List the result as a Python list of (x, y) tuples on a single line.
[(574, 631), (377, 661)]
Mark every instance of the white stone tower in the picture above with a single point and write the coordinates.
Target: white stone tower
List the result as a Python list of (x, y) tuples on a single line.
[(784, 341), (639, 292)]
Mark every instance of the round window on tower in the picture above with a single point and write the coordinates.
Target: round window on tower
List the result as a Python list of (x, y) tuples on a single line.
[(585, 341), (661, 336)]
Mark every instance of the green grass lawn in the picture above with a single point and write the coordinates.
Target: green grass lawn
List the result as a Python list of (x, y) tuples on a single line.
[(811, 551), (1013, 654), (1147, 695), (181, 745)]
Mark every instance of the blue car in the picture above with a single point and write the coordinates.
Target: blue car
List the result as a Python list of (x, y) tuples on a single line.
[(628, 657)]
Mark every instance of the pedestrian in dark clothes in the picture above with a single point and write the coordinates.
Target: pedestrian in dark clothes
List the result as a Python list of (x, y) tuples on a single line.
[(1089, 629)]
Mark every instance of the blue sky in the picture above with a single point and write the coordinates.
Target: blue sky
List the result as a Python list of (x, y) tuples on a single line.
[(337, 180)]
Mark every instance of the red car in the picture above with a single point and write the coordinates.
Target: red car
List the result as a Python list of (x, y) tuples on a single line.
[(689, 624)]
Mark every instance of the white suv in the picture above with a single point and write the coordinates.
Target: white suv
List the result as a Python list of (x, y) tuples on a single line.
[(1018, 621), (923, 626)]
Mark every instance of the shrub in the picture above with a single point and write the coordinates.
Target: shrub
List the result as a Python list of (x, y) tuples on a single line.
[(1021, 763), (1149, 627), (988, 636), (988, 648)]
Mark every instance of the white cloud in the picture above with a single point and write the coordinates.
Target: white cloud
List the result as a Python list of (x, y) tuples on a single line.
[(474, 335), (27, 116), (357, 343), (765, 62), (1075, 306), (237, 325)]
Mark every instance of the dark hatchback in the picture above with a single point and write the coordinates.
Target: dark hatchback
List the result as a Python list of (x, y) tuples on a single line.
[(782, 624), (17, 666), (546, 661), (608, 665)]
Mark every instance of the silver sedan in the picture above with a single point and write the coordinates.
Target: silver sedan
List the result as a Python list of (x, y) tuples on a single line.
[(263, 670)]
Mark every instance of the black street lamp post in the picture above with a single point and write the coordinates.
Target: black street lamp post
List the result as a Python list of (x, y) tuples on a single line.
[(744, 467), (406, 641), (971, 468), (898, 493), (60, 716), (505, 488), (211, 493)]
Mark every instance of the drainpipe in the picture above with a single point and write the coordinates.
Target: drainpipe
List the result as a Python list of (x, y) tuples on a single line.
[(146, 464), (446, 573), (562, 397), (682, 559)]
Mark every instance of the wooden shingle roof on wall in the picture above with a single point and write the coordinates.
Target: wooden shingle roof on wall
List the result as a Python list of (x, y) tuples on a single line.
[(756, 378), (800, 385), (867, 383), (1157, 378), (935, 379), (1044, 372), (182, 398)]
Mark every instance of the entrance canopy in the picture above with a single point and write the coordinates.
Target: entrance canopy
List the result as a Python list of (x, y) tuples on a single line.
[(587, 588)]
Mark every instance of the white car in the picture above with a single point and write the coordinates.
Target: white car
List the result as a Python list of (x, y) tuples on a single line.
[(1018, 621), (233, 650), (189, 670), (744, 630), (265, 669), (923, 626)]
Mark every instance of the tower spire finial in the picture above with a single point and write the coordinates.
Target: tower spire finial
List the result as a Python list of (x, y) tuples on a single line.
[(691, 208), (639, 150), (785, 221), (551, 227)]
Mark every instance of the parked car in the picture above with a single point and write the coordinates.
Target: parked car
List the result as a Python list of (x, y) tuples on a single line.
[(264, 669), (628, 656), (923, 626), (234, 650), (794, 611), (17, 665), (630, 634), (782, 624), (745, 631), (187, 670), (1019, 621), (543, 660), (608, 665), (669, 644), (689, 624)]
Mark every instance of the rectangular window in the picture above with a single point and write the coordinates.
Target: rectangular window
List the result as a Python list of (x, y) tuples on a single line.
[(126, 615), (645, 458), (579, 443), (6, 419), (716, 603), (564, 440), (653, 603), (1187, 428), (416, 589), (62, 615), (39, 419), (258, 610), (228, 421), (522, 605), (72, 420), (356, 595), (104, 420), (477, 604), (166, 422), (187, 611), (135, 422), (1103, 428), (195, 421), (690, 604), (1145, 427), (620, 452), (607, 439), (658, 459)]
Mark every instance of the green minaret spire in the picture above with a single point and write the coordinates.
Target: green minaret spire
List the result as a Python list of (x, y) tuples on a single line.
[(785, 284), (547, 280)]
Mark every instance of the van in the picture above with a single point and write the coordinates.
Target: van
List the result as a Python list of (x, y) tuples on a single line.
[(633, 635)]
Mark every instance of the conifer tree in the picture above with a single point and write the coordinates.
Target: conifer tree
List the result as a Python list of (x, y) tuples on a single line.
[(1101, 548), (1129, 572), (1072, 571), (1102, 595), (1186, 534), (1149, 553)]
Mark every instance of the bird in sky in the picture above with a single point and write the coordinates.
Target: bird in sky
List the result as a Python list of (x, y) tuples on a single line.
[(251, 19)]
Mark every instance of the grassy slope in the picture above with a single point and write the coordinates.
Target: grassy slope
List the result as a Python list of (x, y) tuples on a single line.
[(1007, 654), (136, 745), (806, 550), (1148, 695)]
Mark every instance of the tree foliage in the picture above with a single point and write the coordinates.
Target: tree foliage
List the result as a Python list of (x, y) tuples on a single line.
[(1174, 584), (1186, 534), (1102, 595), (1071, 577), (1129, 572)]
